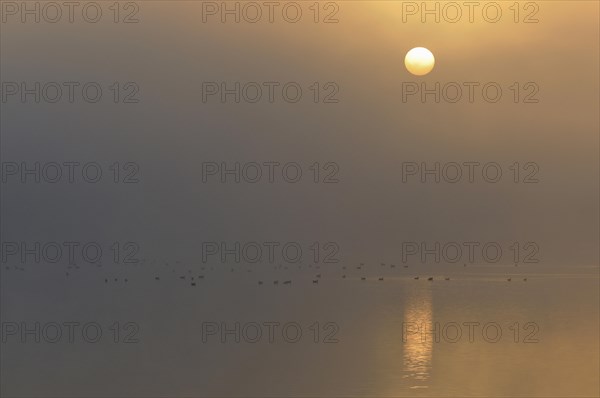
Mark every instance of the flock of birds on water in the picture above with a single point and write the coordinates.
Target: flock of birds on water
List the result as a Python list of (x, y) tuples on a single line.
[(315, 279)]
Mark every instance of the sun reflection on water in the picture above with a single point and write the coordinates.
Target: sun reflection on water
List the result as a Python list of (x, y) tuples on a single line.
[(418, 346)]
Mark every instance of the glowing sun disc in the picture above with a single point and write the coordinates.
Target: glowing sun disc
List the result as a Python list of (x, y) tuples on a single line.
[(419, 61)]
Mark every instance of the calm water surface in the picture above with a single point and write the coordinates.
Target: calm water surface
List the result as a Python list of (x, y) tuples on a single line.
[(473, 335)]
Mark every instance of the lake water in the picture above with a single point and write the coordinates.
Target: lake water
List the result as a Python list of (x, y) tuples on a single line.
[(476, 334)]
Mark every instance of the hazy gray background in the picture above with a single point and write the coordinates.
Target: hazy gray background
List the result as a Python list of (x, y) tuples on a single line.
[(369, 213)]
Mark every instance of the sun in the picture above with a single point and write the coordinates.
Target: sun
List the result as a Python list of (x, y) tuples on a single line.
[(419, 61)]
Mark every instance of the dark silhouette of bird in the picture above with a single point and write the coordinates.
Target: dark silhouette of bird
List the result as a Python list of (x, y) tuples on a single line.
[(157, 278), (193, 283), (416, 278), (260, 282), (509, 279), (430, 278), (447, 278), (524, 279), (381, 279), (287, 282), (276, 282), (363, 278), (406, 266), (318, 276), (315, 281)]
